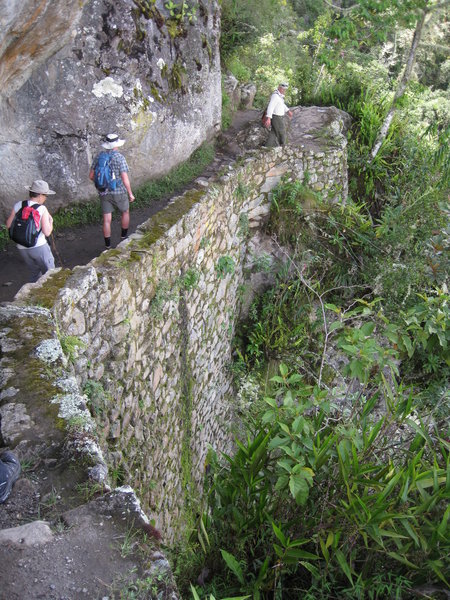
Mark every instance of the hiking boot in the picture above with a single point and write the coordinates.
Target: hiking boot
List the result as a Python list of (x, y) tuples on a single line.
[(9, 474)]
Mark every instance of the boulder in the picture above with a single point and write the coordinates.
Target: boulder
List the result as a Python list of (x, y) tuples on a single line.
[(248, 93)]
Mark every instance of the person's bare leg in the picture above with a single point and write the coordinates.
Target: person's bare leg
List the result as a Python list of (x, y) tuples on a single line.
[(107, 228), (107, 224), (125, 223), (125, 219)]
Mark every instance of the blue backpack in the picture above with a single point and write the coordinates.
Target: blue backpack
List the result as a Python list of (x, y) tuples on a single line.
[(104, 177)]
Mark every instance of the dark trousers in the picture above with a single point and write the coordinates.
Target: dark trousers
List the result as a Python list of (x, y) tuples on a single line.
[(277, 135)]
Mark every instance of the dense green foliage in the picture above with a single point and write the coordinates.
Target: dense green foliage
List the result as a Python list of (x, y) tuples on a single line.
[(340, 482)]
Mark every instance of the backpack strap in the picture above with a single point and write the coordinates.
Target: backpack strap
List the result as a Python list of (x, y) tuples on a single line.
[(35, 205)]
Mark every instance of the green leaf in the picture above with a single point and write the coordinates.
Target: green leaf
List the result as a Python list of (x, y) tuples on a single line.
[(299, 487), (367, 329), (298, 424), (373, 434), (293, 555), (390, 533), (262, 571), (204, 533), (333, 307), (284, 370), (284, 428), (403, 560), (441, 530), (438, 572), (389, 487), (311, 568), (335, 325), (353, 350), (344, 564), (194, 593), (420, 430), (233, 565), (324, 549), (279, 534), (271, 402)]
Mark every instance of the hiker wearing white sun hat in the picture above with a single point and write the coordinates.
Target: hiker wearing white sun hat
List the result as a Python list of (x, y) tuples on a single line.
[(274, 117), (115, 189)]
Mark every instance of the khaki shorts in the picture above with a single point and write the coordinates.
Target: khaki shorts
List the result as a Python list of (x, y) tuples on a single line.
[(112, 201)]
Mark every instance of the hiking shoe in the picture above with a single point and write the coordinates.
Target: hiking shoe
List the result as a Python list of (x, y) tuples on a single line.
[(9, 474)]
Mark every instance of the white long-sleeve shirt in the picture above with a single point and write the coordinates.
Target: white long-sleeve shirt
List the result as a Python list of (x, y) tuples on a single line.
[(276, 105)]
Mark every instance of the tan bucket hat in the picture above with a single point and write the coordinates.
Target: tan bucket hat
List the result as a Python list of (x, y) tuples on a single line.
[(39, 186)]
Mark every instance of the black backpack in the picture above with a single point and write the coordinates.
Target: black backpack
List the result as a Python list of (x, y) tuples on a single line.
[(24, 231)]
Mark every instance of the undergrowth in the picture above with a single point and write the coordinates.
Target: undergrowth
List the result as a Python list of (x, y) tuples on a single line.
[(339, 485)]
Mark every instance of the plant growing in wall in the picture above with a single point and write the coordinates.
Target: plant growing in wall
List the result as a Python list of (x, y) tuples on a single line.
[(225, 266), (182, 10), (163, 294), (99, 398), (243, 225), (190, 279), (242, 190), (71, 345)]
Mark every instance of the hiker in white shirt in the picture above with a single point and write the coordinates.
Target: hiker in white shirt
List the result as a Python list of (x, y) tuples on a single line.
[(275, 113), (38, 258)]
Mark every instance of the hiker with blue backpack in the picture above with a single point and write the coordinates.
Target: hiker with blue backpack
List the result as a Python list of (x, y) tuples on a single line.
[(29, 223), (109, 172)]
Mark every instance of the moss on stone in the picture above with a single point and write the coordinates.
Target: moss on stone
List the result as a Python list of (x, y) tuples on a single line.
[(207, 46), (155, 93), (148, 9), (164, 220), (134, 257), (177, 78), (46, 294), (106, 257)]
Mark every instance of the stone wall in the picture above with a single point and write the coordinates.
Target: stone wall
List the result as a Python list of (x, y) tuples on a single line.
[(156, 317)]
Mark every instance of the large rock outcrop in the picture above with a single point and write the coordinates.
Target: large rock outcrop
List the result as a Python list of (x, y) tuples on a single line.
[(70, 72)]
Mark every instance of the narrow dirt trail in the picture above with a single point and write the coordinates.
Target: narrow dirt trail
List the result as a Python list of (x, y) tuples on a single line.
[(79, 245)]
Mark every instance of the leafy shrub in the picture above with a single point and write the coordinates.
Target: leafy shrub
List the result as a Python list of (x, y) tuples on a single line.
[(4, 237), (312, 498), (225, 266), (424, 333), (328, 237), (242, 72)]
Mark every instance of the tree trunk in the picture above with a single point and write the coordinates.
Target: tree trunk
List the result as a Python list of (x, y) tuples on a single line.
[(401, 86)]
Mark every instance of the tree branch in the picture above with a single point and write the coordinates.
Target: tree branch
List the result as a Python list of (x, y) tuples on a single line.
[(401, 86), (344, 11)]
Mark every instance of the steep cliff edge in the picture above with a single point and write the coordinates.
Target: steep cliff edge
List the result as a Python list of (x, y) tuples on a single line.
[(70, 72)]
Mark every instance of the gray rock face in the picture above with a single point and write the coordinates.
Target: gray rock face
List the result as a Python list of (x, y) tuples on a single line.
[(72, 72)]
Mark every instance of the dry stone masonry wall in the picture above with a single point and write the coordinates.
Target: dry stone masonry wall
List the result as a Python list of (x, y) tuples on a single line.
[(151, 325)]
